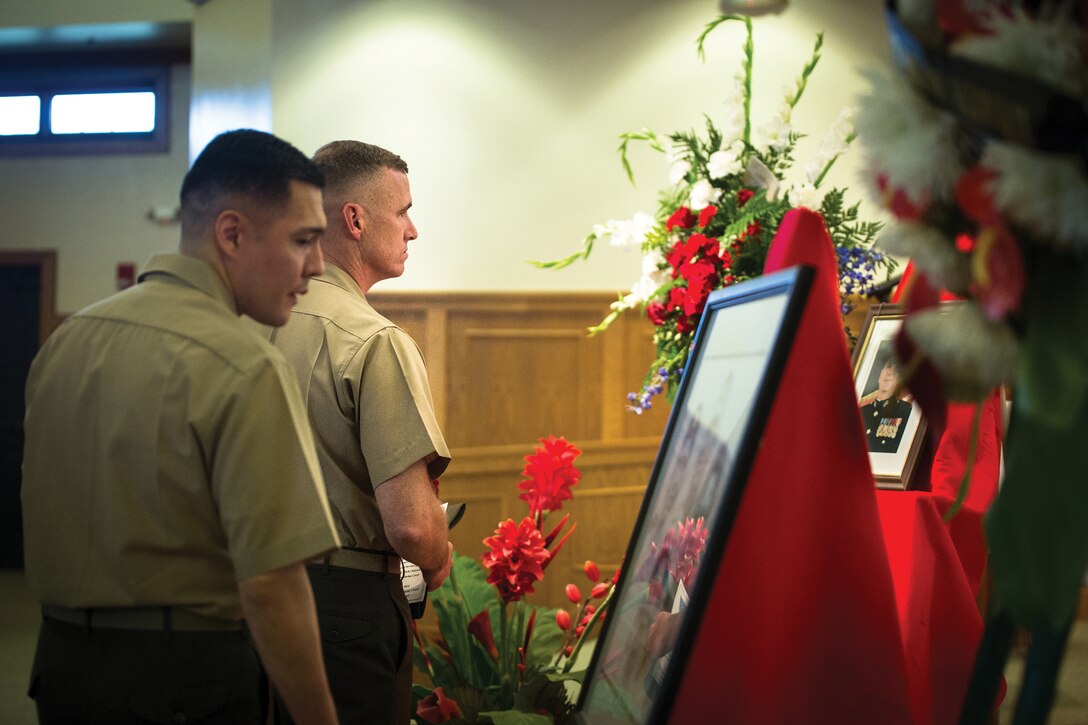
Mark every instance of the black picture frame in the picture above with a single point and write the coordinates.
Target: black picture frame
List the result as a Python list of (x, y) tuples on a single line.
[(710, 443)]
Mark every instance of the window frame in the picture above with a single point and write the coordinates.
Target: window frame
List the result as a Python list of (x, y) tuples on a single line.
[(49, 82)]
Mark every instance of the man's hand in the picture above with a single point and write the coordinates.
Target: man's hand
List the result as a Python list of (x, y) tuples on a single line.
[(435, 577)]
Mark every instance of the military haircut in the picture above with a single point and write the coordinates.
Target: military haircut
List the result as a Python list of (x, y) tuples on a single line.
[(345, 163), (243, 163)]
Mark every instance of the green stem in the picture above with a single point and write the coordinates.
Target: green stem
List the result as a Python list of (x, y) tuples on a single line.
[(831, 162), (749, 52), (588, 627)]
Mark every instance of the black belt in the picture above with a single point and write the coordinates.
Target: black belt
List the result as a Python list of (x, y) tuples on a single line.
[(165, 619), (376, 562)]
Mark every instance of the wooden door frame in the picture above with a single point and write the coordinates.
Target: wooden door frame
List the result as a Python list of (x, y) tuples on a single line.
[(46, 262)]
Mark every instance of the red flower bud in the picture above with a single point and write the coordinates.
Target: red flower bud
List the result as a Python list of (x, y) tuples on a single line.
[(579, 629), (600, 590), (616, 576), (591, 571), (573, 593), (568, 650), (590, 609), (562, 618)]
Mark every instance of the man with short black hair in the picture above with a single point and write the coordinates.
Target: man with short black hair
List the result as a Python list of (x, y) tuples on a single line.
[(171, 491)]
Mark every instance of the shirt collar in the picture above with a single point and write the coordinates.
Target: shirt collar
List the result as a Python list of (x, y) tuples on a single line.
[(339, 278), (193, 272)]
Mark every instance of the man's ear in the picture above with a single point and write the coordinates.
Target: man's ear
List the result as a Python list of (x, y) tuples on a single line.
[(353, 219), (229, 228)]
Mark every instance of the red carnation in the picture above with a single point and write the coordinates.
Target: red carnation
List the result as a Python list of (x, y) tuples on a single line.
[(682, 218), (743, 196), (436, 707), (676, 298), (657, 313), (706, 215), (516, 558), (550, 473)]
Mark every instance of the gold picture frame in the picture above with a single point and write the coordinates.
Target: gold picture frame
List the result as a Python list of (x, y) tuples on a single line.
[(894, 428)]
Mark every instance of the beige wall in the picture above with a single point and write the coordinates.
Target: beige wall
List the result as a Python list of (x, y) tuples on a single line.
[(508, 114)]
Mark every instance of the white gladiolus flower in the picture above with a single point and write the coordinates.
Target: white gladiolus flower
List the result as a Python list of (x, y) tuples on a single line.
[(626, 233), (973, 353), (909, 140), (651, 280), (703, 194), (1043, 192), (834, 144), (775, 134), (803, 195), (679, 170)]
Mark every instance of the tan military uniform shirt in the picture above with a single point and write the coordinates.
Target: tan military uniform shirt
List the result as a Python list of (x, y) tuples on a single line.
[(167, 453), (365, 385)]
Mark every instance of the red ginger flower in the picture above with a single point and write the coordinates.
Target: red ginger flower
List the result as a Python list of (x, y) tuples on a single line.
[(550, 473), (436, 707), (516, 558), (593, 573), (480, 628)]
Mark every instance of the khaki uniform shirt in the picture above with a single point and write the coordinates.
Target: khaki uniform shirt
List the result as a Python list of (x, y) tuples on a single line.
[(167, 453), (366, 389)]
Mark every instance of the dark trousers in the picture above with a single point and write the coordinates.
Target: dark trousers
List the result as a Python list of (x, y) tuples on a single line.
[(120, 676), (363, 618)]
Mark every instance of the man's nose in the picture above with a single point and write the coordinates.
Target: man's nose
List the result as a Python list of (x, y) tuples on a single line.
[(315, 261)]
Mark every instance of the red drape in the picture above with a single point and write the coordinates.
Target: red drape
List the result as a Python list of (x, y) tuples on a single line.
[(802, 624)]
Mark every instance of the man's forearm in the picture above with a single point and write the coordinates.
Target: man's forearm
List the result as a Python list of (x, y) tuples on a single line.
[(414, 522), (280, 612)]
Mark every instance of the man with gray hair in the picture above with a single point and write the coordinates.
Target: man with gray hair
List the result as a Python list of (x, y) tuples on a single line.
[(378, 441)]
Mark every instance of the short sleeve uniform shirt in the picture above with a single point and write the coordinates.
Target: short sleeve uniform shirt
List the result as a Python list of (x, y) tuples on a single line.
[(168, 455), (366, 389)]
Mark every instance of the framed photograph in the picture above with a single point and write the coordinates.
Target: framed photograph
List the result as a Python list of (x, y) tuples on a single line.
[(692, 499), (893, 421)]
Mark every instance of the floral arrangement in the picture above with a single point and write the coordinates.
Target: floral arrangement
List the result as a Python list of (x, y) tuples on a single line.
[(498, 659), (978, 148), (726, 195)]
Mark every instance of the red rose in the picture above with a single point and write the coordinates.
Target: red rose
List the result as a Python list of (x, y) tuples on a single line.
[(682, 218), (685, 324), (743, 196), (706, 215)]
